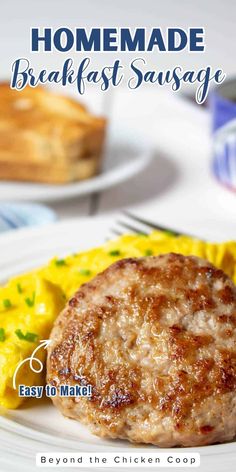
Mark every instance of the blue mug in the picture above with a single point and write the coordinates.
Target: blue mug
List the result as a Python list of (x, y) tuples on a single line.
[(224, 155), (223, 103), (223, 108)]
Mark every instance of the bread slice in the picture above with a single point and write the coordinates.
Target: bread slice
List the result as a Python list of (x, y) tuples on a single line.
[(47, 138)]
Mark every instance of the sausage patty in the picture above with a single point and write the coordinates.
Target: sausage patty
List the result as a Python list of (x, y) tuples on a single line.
[(156, 339)]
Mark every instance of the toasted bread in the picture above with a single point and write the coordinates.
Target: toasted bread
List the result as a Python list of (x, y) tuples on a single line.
[(47, 138)]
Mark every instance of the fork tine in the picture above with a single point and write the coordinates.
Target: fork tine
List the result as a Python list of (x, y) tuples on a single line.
[(132, 228), (149, 224), (115, 232)]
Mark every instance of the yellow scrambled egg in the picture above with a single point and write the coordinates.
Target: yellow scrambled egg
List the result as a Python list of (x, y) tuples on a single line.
[(30, 302)]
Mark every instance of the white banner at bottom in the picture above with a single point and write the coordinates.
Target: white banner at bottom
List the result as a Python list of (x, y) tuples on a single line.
[(118, 459)]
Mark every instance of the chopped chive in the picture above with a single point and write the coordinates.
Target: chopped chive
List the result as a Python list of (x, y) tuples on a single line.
[(85, 272), (148, 252), (142, 234), (19, 288), (30, 301), (30, 337), (60, 262), (19, 334), (115, 252), (7, 303), (2, 335)]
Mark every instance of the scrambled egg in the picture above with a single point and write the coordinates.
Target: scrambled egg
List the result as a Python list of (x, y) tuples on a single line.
[(30, 302)]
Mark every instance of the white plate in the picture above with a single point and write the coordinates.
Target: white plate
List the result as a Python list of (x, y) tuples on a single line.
[(126, 155), (38, 426)]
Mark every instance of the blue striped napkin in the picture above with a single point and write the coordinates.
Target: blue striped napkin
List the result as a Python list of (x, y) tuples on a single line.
[(19, 215)]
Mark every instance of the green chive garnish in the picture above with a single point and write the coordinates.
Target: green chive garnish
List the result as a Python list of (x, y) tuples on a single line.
[(30, 301), (2, 335), (85, 272), (115, 252), (7, 303), (148, 252), (30, 337), (19, 288), (60, 262)]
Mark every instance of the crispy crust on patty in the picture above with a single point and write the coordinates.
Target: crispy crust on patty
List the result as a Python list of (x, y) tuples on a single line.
[(155, 337)]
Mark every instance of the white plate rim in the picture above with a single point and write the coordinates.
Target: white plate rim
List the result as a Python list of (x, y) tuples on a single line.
[(26, 191)]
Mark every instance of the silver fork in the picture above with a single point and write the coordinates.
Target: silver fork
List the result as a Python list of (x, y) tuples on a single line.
[(137, 225)]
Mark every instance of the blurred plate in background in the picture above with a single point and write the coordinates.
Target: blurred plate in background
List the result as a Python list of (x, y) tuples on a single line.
[(126, 156)]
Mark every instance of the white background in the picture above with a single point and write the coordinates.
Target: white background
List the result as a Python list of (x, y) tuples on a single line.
[(216, 16)]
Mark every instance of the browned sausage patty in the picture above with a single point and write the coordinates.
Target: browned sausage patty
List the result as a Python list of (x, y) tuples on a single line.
[(156, 339)]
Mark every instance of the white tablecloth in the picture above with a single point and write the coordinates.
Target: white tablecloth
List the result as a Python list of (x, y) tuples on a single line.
[(177, 189)]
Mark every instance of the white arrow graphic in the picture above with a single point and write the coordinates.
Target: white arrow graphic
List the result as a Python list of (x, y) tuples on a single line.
[(32, 359)]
